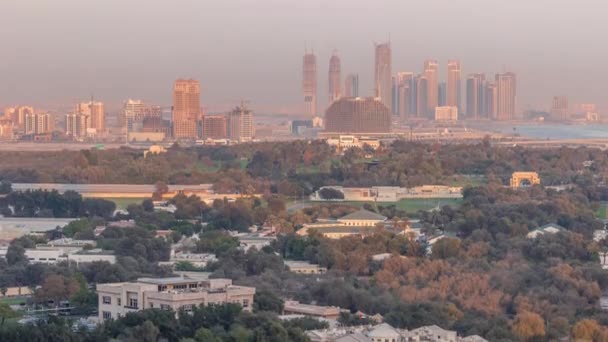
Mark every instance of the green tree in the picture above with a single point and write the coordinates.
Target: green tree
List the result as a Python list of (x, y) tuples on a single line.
[(6, 313)]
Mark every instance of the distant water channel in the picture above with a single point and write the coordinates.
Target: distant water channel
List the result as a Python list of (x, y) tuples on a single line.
[(555, 131)]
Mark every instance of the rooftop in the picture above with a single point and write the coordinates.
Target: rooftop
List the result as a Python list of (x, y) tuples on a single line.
[(363, 215)]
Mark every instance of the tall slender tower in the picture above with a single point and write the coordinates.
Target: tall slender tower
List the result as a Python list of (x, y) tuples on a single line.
[(422, 97), (491, 100), (309, 84), (382, 74), (404, 90), (431, 73), (186, 108), (335, 80), (454, 85), (351, 85), (559, 108), (475, 96), (505, 84)]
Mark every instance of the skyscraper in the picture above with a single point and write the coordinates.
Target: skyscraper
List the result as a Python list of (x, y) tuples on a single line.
[(431, 73), (351, 85), (76, 125), (358, 115), (559, 108), (335, 80), (186, 108), (309, 84), (475, 96), (453, 97), (240, 124), (404, 91), (421, 97), (506, 87), (382, 74), (491, 100)]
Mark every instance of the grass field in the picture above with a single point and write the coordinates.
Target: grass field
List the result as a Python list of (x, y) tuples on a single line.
[(412, 206), (123, 203), (13, 300), (602, 211)]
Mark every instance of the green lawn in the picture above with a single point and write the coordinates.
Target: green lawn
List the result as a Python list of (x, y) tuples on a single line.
[(13, 300), (602, 211), (412, 206), (123, 203)]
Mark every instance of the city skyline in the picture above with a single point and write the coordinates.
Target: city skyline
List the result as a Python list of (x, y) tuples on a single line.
[(147, 70)]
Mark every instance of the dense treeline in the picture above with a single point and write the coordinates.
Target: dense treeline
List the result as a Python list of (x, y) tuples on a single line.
[(212, 323), (296, 168), (38, 203)]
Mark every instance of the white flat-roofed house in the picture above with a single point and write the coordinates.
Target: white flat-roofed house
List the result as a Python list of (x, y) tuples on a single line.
[(304, 267), (362, 218), (175, 293), (550, 228)]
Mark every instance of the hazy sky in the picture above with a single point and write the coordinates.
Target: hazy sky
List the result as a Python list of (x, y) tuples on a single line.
[(54, 52)]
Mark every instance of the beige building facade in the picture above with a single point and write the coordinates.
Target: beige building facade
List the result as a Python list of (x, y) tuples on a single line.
[(178, 293)]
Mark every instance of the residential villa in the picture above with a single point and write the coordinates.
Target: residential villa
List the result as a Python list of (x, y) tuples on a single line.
[(183, 292), (550, 228)]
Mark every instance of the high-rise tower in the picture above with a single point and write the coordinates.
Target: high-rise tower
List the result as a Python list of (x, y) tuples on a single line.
[(431, 73), (382, 74), (309, 84), (475, 96), (186, 108), (351, 85), (506, 87), (454, 84), (335, 80)]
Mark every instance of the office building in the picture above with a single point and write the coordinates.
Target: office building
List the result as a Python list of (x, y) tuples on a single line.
[(431, 73), (358, 115), (383, 75), (506, 93), (40, 123), (95, 112), (335, 80), (446, 113), (421, 97), (214, 127), (309, 84), (351, 85), (454, 84), (491, 100), (405, 90), (559, 108), (186, 109), (177, 293), (475, 96), (76, 125), (240, 124)]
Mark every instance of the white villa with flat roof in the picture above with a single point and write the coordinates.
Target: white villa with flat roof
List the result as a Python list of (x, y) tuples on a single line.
[(175, 293)]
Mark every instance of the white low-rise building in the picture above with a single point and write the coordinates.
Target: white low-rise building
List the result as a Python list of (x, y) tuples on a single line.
[(176, 293), (550, 228), (304, 267)]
